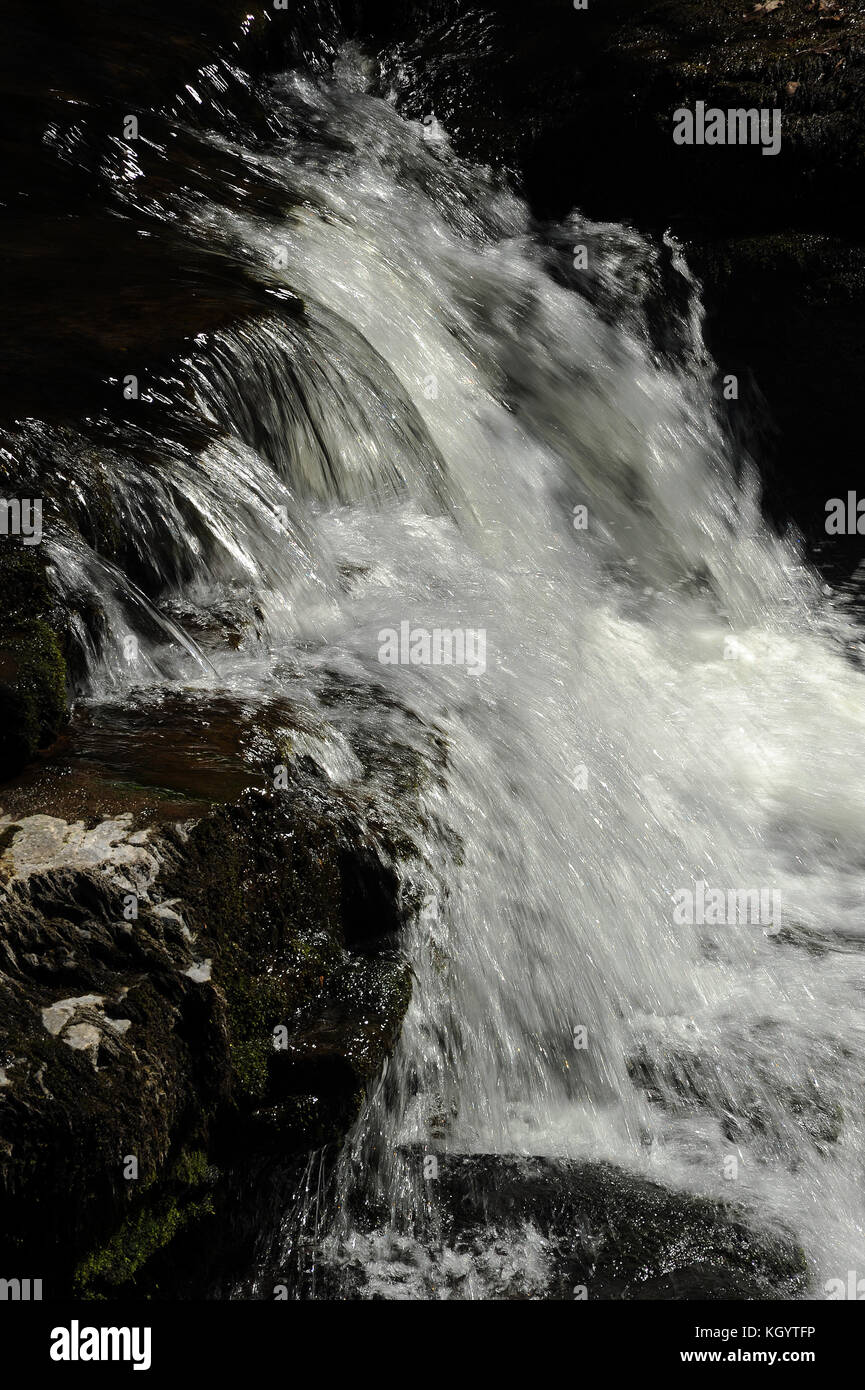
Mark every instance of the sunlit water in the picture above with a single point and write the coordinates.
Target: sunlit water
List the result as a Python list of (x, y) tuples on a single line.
[(665, 696)]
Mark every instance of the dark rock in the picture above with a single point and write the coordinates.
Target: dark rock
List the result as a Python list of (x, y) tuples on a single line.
[(340, 1045), (502, 1226), (617, 1235), (147, 971), (32, 668)]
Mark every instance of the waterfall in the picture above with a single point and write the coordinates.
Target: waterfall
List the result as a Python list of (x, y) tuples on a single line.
[(449, 441)]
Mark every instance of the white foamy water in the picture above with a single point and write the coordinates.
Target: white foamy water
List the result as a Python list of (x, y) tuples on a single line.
[(666, 698)]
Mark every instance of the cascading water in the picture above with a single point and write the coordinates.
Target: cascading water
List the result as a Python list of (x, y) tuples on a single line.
[(658, 698)]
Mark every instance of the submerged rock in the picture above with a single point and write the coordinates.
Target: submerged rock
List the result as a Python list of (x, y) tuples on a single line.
[(609, 1234), (779, 1116), (509, 1227)]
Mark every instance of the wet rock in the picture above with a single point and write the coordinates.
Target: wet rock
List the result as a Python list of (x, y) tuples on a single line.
[(32, 668), (148, 970), (608, 1234), (109, 1050), (341, 1044), (503, 1226), (263, 881), (101, 283), (82, 324)]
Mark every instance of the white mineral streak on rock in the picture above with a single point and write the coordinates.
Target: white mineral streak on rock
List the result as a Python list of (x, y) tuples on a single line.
[(167, 913), (42, 843), (56, 1016), (84, 1037), (86, 1034), (199, 972), (120, 1025)]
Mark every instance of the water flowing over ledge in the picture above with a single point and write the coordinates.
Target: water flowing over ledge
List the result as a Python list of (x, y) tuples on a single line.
[(412, 427)]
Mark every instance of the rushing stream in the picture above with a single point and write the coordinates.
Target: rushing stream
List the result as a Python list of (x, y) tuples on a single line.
[(465, 433)]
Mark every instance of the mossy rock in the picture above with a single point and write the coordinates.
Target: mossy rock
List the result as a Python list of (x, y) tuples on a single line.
[(177, 1205), (32, 668), (281, 886), (153, 1056)]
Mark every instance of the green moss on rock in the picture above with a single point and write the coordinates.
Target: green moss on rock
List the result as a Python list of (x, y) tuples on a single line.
[(264, 887), (121, 1258), (32, 668)]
